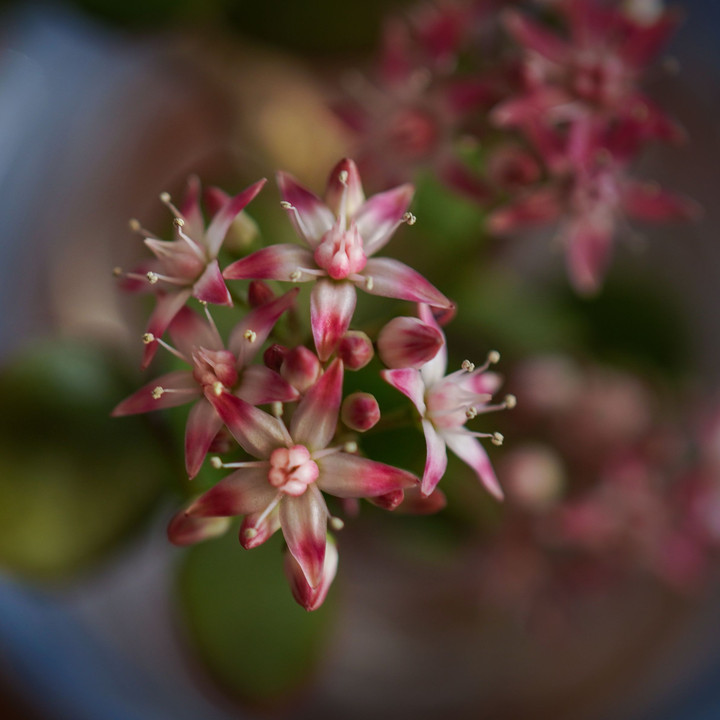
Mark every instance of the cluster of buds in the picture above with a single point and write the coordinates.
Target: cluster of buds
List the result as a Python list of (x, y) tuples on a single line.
[(305, 444), (551, 96)]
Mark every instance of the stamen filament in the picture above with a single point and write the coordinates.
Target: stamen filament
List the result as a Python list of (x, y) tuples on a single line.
[(193, 245), (217, 463), (303, 228)]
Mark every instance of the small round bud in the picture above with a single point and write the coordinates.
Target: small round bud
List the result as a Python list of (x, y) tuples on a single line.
[(301, 368), (216, 462), (273, 357), (355, 350), (408, 342), (259, 294), (497, 439), (360, 411)]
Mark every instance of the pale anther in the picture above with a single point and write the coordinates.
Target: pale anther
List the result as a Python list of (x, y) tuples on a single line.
[(250, 336), (336, 523), (493, 357), (117, 271), (147, 338), (350, 447), (276, 408), (286, 205), (467, 366), (369, 282), (165, 197), (497, 439), (134, 225), (152, 277), (250, 533), (157, 392), (343, 176), (409, 218), (178, 222), (510, 401), (218, 388), (471, 413), (216, 462), (295, 275)]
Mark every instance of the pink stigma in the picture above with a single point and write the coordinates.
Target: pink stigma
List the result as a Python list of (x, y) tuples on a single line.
[(292, 470), (340, 252)]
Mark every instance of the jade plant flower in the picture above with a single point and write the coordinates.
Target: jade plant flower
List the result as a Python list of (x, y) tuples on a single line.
[(215, 367), (341, 234), (445, 404), (293, 465), (187, 266)]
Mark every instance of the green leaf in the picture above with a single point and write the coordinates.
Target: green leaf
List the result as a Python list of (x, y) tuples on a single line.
[(242, 621)]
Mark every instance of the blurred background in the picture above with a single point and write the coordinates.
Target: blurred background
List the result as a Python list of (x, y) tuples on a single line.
[(590, 593)]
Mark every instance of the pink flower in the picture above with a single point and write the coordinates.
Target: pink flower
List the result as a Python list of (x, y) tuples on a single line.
[(217, 369), (341, 234), (445, 404), (188, 267), (283, 487)]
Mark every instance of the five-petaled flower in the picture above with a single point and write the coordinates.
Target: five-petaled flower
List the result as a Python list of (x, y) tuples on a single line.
[(294, 464), (341, 235), (445, 404)]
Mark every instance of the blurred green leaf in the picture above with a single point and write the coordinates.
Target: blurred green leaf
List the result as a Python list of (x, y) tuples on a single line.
[(73, 480), (255, 641)]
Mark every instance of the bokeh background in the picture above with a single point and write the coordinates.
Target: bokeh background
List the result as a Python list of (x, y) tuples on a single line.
[(103, 105)]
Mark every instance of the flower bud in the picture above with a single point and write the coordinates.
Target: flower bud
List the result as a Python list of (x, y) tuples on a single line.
[(185, 529), (274, 356), (301, 368), (259, 294), (415, 503), (388, 501), (407, 342), (355, 350), (311, 598), (360, 411)]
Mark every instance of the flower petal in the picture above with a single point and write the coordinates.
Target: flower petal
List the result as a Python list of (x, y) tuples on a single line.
[(260, 385), (410, 383), (304, 526), (351, 189), (434, 370), (190, 209), (185, 529), (315, 418), (588, 255), (203, 424), (142, 400), (415, 503), (245, 491), (311, 217), (471, 451), (391, 278), (646, 201), (532, 36), (253, 330), (379, 216), (211, 288), (257, 432), (220, 224), (436, 461), (189, 330), (308, 597), (332, 305), (277, 262), (168, 306), (351, 476)]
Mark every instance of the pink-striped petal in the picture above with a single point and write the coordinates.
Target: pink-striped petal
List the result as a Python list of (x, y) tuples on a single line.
[(190, 209), (257, 432), (245, 491), (188, 330), (260, 385), (379, 216), (410, 383), (315, 418), (436, 460), (215, 200), (391, 278), (186, 530), (304, 526), (315, 217), (389, 501), (211, 288), (220, 224), (168, 306), (434, 370), (409, 342), (471, 451), (588, 256), (332, 305), (306, 596), (253, 330), (143, 400), (259, 527), (646, 201), (534, 37), (415, 503), (351, 189), (203, 424), (277, 262), (350, 476)]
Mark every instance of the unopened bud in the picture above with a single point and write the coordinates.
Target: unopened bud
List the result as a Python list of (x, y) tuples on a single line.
[(360, 411), (311, 598), (273, 357), (408, 342), (355, 350), (185, 529), (259, 294), (301, 368)]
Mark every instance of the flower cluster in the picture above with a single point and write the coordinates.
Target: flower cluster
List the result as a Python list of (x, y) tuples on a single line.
[(551, 99), (305, 444)]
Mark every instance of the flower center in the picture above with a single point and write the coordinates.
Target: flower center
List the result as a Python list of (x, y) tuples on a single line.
[(292, 470), (213, 366), (340, 252)]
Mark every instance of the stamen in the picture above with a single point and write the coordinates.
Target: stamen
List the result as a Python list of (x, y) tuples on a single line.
[(303, 228), (169, 348), (136, 227), (334, 450), (153, 277), (179, 222), (157, 392), (165, 199), (343, 177), (493, 357), (210, 320), (250, 336), (497, 439), (148, 338), (218, 388), (336, 523), (217, 463), (369, 283), (117, 271), (471, 413), (467, 366), (510, 401), (276, 409), (267, 511), (350, 447), (409, 218), (295, 275)]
